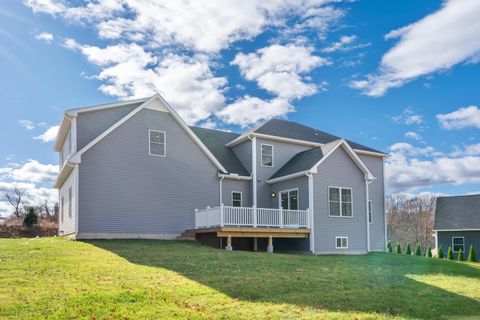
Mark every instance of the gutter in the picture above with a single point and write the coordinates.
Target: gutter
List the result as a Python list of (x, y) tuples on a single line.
[(234, 176), (290, 176)]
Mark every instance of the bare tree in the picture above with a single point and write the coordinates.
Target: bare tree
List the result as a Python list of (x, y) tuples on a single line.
[(15, 198), (46, 212)]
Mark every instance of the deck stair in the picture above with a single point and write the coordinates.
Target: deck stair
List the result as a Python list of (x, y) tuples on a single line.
[(187, 235)]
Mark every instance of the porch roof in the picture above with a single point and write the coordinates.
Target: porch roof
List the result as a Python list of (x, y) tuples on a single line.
[(302, 161)]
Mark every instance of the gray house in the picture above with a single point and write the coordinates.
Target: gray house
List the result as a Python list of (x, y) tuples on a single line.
[(135, 169), (457, 223)]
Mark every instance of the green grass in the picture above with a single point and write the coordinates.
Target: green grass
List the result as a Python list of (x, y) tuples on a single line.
[(135, 279)]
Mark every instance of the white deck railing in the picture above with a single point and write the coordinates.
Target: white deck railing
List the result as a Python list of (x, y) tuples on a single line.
[(251, 217)]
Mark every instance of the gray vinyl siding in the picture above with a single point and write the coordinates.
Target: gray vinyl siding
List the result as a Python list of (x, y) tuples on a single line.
[(376, 194), (300, 183), (91, 124), (125, 190), (471, 238), (67, 226), (243, 151), (340, 171), (282, 152), (245, 187)]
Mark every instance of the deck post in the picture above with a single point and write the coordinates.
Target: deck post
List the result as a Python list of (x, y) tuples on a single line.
[(221, 215), (254, 216), (281, 217), (270, 245), (229, 244), (206, 213), (196, 218)]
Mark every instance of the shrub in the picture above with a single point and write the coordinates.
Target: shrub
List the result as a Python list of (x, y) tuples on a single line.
[(418, 250), (471, 255), (440, 252), (398, 249), (389, 247), (449, 254), (429, 252), (408, 250), (31, 218), (460, 255)]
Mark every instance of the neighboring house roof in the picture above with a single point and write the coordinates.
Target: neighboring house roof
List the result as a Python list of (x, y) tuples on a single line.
[(457, 213), (215, 141), (302, 161)]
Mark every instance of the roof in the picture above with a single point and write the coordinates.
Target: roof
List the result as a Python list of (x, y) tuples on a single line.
[(458, 212), (293, 130), (215, 141), (302, 161)]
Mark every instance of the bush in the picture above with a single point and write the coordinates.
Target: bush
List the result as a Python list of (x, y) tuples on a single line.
[(449, 254), (408, 250), (389, 247), (418, 250), (471, 255), (31, 218), (460, 255), (440, 252), (398, 249), (429, 252)]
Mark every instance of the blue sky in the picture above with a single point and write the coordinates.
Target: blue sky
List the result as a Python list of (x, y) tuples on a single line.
[(399, 76)]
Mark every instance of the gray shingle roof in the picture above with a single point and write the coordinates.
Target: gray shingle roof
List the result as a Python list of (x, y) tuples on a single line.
[(293, 130), (459, 212), (215, 141), (302, 161)]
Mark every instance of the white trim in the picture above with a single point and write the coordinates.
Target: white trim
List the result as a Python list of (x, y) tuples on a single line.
[(76, 158), (311, 211), (254, 172), (436, 241), (261, 155), (384, 206), (288, 193), (234, 176), (288, 177), (76, 111), (336, 242), (164, 155), (77, 199), (443, 230), (371, 153), (368, 201), (241, 198), (340, 201), (453, 246)]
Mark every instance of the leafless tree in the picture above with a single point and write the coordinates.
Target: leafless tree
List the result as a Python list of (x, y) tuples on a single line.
[(16, 198), (46, 211)]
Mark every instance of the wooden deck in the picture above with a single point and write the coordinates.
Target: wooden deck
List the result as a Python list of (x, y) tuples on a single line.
[(249, 232)]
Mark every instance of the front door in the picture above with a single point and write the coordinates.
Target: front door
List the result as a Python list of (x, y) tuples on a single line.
[(289, 199)]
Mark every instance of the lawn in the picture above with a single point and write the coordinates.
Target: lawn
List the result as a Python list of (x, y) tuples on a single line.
[(138, 279)]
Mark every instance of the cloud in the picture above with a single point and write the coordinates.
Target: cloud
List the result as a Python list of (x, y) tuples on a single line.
[(33, 194), (408, 117), (344, 44), (469, 150), (45, 36), (279, 69), (252, 110), (413, 135), (27, 124), (437, 42), (45, 6), (49, 135), (31, 171), (410, 168), (461, 118)]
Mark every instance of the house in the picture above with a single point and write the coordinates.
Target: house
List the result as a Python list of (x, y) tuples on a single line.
[(135, 169), (457, 223)]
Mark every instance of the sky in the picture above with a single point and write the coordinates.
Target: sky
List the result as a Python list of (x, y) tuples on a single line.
[(399, 76)]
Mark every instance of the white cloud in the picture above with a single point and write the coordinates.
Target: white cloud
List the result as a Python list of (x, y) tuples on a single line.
[(33, 194), (437, 42), (279, 69), (31, 171), (469, 150), (341, 44), (27, 124), (410, 150), (408, 117), (45, 36), (49, 135), (252, 110), (413, 135), (461, 118), (45, 6)]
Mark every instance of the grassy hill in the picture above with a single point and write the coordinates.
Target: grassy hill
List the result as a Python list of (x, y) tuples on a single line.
[(138, 279)]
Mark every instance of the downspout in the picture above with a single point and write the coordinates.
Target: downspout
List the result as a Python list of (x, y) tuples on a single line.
[(367, 198), (384, 203), (254, 170), (311, 211), (221, 191)]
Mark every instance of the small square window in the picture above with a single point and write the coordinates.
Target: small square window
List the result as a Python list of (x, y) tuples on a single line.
[(236, 199), (341, 242), (157, 146), (458, 243)]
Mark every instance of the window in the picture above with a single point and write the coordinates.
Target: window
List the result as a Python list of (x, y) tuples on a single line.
[(458, 243), (236, 199), (157, 143), (267, 155), (289, 199), (340, 202), (70, 202), (62, 209), (370, 211), (341, 242)]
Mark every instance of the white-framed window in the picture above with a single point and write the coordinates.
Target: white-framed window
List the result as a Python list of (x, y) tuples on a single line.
[(369, 211), (289, 199), (341, 242), (458, 243), (157, 143), (340, 202), (267, 155), (62, 208), (236, 199), (70, 202)]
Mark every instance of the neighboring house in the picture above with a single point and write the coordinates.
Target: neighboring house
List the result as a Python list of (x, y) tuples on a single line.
[(457, 223), (135, 169)]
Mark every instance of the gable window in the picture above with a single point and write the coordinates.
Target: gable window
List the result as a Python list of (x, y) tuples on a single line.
[(289, 199), (340, 201), (369, 211), (158, 143), (70, 202), (236, 199), (62, 209), (341, 242), (267, 155), (458, 243)]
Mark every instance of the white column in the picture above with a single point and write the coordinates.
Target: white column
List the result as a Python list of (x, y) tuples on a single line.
[(221, 192), (221, 214), (254, 172), (311, 212), (366, 207)]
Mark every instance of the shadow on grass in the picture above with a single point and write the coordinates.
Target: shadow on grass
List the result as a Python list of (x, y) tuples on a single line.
[(374, 283)]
